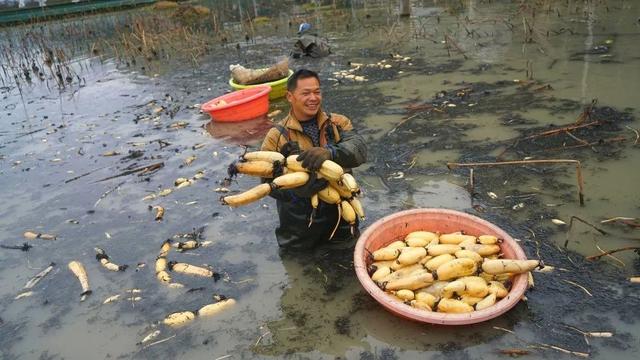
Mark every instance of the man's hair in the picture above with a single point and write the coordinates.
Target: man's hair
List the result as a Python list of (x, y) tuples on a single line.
[(292, 83)]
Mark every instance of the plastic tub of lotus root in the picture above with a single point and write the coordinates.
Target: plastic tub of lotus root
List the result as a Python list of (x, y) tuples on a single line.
[(397, 226)]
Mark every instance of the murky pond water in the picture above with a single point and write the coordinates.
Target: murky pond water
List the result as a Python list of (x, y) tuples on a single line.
[(465, 100)]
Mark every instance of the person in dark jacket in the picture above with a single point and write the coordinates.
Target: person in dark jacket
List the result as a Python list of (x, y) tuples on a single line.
[(316, 136)]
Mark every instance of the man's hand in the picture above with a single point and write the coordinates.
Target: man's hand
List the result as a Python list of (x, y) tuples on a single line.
[(312, 186), (290, 148), (313, 158)]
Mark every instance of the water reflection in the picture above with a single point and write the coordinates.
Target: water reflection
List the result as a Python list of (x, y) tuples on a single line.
[(325, 309), (240, 133), (316, 305)]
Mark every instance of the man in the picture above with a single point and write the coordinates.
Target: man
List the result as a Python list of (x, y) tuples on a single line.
[(316, 136)]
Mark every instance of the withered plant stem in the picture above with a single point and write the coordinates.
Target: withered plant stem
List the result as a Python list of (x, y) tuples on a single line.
[(452, 165), (609, 252)]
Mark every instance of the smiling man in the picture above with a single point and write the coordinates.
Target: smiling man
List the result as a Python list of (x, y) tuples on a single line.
[(316, 136)]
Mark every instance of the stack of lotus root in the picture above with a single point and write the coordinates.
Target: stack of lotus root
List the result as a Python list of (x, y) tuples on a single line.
[(244, 76), (288, 173), (448, 273)]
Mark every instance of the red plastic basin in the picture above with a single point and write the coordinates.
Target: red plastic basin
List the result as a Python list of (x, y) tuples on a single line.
[(398, 225), (239, 105)]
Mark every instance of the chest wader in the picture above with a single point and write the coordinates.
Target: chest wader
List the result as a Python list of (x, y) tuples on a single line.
[(294, 230)]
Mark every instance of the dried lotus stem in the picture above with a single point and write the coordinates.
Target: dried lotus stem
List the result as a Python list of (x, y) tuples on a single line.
[(531, 162)]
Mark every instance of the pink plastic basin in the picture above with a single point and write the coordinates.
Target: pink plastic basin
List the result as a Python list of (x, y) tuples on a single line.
[(397, 226), (239, 105)]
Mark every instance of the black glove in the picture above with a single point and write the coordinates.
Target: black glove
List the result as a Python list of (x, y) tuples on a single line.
[(290, 148), (313, 158), (311, 187)]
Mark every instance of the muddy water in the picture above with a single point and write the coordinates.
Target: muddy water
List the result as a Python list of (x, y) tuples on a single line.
[(311, 305)]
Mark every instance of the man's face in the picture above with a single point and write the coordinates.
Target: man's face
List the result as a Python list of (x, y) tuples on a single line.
[(306, 99)]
